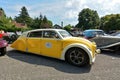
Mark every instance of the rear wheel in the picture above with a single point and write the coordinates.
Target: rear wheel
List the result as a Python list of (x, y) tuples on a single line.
[(3, 51), (77, 57)]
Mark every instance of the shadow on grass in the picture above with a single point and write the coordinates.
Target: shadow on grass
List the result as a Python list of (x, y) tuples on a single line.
[(46, 61)]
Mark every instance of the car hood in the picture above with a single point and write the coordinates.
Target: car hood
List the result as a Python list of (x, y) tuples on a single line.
[(90, 44), (78, 39)]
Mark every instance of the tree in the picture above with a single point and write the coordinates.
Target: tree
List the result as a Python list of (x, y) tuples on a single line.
[(110, 22), (46, 23), (45, 19), (2, 13), (5, 22), (68, 27), (41, 22), (2, 17), (35, 23), (24, 17), (87, 19)]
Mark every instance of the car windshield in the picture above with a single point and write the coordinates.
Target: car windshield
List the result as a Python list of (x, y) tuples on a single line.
[(99, 32), (65, 34)]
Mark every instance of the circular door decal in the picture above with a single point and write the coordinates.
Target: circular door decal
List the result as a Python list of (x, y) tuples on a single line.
[(48, 45)]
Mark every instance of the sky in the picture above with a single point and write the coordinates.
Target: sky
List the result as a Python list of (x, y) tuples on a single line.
[(58, 11)]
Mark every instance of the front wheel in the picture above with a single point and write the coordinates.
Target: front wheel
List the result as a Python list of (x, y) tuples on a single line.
[(77, 57), (3, 51)]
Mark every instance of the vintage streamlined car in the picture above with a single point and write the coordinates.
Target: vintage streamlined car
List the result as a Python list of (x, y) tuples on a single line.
[(57, 43), (109, 42)]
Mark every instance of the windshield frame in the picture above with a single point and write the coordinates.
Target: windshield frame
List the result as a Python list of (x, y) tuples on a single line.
[(64, 34)]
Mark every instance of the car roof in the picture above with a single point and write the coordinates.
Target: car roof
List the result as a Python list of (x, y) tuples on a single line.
[(44, 30), (93, 30)]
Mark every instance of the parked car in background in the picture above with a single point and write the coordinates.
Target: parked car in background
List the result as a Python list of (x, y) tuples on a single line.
[(116, 34), (3, 45), (107, 42), (57, 43), (10, 37), (76, 33), (90, 33)]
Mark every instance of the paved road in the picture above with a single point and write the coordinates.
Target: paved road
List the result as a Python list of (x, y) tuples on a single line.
[(23, 66)]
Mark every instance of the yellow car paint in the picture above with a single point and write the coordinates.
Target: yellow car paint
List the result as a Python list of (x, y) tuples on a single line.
[(51, 47), (19, 44)]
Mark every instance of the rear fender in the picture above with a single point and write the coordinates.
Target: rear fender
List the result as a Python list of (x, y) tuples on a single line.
[(19, 45)]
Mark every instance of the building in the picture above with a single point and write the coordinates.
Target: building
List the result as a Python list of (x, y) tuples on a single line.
[(19, 25)]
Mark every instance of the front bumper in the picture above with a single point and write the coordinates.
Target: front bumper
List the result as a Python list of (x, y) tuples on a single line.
[(96, 52)]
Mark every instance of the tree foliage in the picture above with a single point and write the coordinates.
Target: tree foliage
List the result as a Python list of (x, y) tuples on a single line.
[(36, 23), (24, 17), (110, 22), (41, 22), (5, 22), (87, 19), (46, 23), (68, 27)]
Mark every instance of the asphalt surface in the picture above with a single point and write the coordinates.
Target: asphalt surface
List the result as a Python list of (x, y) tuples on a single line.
[(24, 66)]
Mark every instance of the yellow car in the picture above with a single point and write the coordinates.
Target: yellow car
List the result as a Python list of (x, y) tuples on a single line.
[(57, 43)]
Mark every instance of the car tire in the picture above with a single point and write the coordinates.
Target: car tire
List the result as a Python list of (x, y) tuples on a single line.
[(117, 49), (77, 57), (3, 51)]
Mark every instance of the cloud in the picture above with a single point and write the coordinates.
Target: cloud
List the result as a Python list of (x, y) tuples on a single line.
[(64, 10), (103, 7)]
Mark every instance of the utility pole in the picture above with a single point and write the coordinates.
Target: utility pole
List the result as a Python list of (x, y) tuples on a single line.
[(61, 23)]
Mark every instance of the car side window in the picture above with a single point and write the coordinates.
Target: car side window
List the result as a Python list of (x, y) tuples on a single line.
[(50, 34), (35, 34)]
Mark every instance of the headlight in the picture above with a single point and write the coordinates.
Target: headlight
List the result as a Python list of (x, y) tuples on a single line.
[(94, 43)]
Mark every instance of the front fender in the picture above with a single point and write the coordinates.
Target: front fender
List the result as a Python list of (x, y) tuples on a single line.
[(82, 46)]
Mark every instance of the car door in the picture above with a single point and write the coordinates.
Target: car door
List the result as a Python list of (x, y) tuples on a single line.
[(51, 44), (33, 42)]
